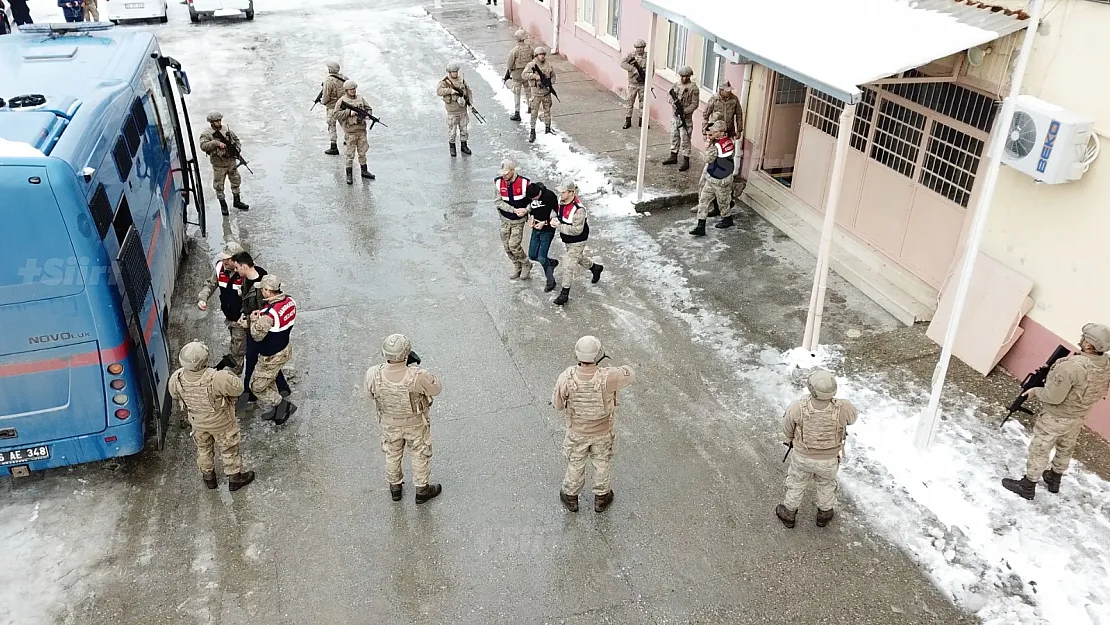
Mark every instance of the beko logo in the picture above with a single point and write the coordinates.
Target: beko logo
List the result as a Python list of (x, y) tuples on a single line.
[(53, 338)]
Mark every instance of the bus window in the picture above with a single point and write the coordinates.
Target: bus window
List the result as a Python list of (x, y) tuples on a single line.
[(139, 113), (122, 158), (161, 113), (123, 221), (101, 210), (131, 133)]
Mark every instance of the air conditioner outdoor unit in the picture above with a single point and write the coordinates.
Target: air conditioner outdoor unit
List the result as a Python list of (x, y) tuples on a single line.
[(1048, 142)]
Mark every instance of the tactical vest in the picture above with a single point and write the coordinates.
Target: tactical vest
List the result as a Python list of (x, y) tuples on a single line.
[(822, 430), (205, 409), (588, 408), (512, 193), (1083, 397), (723, 165), (397, 404), (566, 217), (284, 314), (231, 292)]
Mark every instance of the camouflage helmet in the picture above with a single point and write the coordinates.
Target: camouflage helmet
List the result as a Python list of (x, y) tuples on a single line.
[(350, 84), (716, 116), (588, 349), (521, 35), (452, 67), (270, 282), (568, 184), (822, 385), (540, 50), (640, 43), (724, 85), (333, 67), (193, 356), (1098, 336), (396, 347), (686, 70), (230, 249), (718, 126), (507, 165), (215, 116)]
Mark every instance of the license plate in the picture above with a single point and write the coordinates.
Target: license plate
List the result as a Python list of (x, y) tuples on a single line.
[(134, 5), (27, 454)]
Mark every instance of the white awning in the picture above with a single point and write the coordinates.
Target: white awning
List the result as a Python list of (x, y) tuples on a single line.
[(837, 45)]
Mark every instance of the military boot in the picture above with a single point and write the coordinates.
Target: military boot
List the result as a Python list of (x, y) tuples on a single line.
[(549, 273), (239, 480), (465, 148), (427, 493), (724, 223), (685, 166), (526, 270), (570, 502), (715, 211), (627, 123), (529, 111), (223, 207), (1025, 487), (209, 480), (517, 269), (563, 298), (671, 160), (786, 515), (640, 122), (395, 491), (452, 146), (237, 202), (601, 502), (823, 517), (547, 129), (1052, 480), (366, 173), (515, 116), (596, 269), (283, 411), (350, 176), (699, 231), (532, 136), (333, 150)]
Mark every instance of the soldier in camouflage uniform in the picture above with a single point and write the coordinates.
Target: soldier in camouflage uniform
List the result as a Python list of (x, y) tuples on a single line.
[(636, 66), (270, 329), (572, 223), (519, 57), (587, 396), (457, 97), (331, 91), (685, 93), (230, 284), (403, 394), (724, 105), (208, 397), (1074, 385), (536, 73), (223, 164), (815, 427), (354, 127)]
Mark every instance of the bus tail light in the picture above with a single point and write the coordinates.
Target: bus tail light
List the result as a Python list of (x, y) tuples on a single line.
[(122, 414), (109, 439), (120, 399), (115, 368), (118, 384)]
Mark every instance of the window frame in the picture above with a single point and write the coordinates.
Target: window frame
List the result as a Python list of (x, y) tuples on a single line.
[(709, 87), (679, 52)]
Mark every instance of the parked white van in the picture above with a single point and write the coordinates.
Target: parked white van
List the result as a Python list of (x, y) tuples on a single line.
[(128, 10), (219, 8)]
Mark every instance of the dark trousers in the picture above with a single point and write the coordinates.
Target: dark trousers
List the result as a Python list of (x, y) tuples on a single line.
[(74, 14), (539, 244), (248, 370), (20, 13)]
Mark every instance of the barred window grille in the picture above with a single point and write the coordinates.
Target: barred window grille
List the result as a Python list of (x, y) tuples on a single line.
[(823, 112), (789, 91), (951, 161), (950, 100), (898, 133), (861, 125), (136, 274)]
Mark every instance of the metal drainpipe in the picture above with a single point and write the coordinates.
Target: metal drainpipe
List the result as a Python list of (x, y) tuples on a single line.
[(556, 17)]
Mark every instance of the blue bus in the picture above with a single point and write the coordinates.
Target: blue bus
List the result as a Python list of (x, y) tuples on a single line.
[(95, 189)]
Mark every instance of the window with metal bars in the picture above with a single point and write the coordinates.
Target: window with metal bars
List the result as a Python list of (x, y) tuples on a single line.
[(136, 274), (951, 162), (898, 133), (789, 91), (949, 99), (861, 125), (823, 112)]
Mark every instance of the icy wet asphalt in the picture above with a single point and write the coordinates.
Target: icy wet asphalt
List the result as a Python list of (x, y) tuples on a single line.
[(691, 537)]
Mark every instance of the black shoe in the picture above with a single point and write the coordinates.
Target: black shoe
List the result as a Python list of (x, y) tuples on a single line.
[(515, 116), (786, 515), (350, 177), (453, 152), (333, 150), (602, 502), (209, 480), (227, 362), (596, 269), (549, 273), (570, 502), (1025, 487), (563, 298), (671, 160), (223, 207), (283, 411), (464, 148), (724, 223), (699, 231), (270, 414), (395, 491), (429, 492), (685, 166), (823, 517), (715, 211), (239, 480), (532, 136), (640, 122), (627, 123), (366, 173), (238, 203), (547, 129), (1052, 480)]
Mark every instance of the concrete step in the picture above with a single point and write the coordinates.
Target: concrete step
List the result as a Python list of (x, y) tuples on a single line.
[(900, 293)]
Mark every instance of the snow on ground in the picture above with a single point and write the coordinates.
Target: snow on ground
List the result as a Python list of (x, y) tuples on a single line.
[(1003, 558)]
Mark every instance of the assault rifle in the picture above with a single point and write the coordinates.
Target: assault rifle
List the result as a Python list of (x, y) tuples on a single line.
[(362, 114), (477, 115), (1034, 380), (789, 448), (508, 76), (319, 97), (232, 150), (639, 70), (545, 82), (679, 113)]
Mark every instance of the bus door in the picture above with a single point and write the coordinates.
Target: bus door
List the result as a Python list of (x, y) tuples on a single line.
[(190, 161)]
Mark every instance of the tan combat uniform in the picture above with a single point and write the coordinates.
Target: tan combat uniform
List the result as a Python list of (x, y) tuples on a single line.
[(404, 397), (541, 96), (519, 57), (458, 116), (354, 127), (333, 90), (587, 395), (680, 126), (635, 82), (92, 12), (263, 381), (1074, 385), (818, 429), (238, 344), (209, 399), (576, 252), (223, 165), (729, 111), (512, 230)]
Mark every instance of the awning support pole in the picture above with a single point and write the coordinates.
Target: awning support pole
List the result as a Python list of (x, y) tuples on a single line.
[(649, 73), (820, 277), (927, 423)]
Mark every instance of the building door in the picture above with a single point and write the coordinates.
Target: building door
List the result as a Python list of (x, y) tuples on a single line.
[(784, 119)]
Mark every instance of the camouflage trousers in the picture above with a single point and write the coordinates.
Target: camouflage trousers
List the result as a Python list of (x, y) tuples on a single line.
[(1052, 432), (599, 449), (418, 438), (227, 440), (512, 238), (459, 122), (680, 136), (238, 345), (520, 87), (92, 12), (356, 144), (635, 92), (804, 472), (264, 378), (333, 134), (219, 173), (541, 107), (575, 258), (715, 189)]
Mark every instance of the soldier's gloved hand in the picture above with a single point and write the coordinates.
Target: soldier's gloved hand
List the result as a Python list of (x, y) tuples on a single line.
[(203, 305)]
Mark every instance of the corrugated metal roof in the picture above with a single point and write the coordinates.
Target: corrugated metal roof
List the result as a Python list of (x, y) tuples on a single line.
[(837, 46)]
